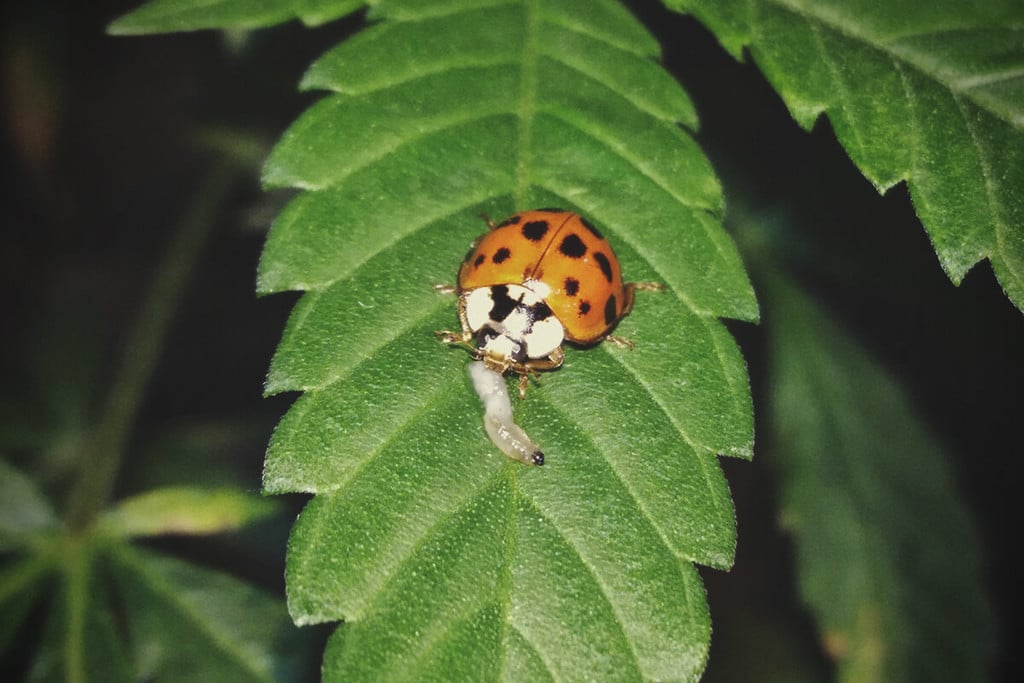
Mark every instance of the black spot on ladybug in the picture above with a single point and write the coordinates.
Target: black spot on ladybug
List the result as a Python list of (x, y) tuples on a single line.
[(606, 267), (610, 310), (511, 220), (572, 246), (572, 286), (535, 230), (590, 226), (501, 255), (503, 303), (540, 311), (584, 307), (485, 335), (478, 261)]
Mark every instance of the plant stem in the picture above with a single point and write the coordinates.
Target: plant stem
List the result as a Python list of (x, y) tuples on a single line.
[(77, 569), (106, 450)]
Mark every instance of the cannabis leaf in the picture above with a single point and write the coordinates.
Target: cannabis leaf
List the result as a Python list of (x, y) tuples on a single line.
[(182, 621), (443, 558), (887, 558), (440, 555), (190, 15), (927, 92)]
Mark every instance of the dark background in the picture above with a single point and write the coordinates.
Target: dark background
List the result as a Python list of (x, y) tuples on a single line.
[(102, 152)]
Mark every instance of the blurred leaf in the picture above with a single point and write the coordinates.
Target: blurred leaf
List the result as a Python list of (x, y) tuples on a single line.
[(23, 508), (58, 570), (21, 583), (189, 623), (51, 378), (444, 558), (159, 16), (80, 641), (181, 622), (184, 510), (927, 91), (886, 555)]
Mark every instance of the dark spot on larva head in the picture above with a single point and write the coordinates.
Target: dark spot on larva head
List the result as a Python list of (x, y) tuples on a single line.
[(503, 303), (501, 255), (535, 230), (606, 266), (584, 307), (538, 458), (572, 286), (511, 220), (611, 311), (478, 261), (590, 226), (572, 246)]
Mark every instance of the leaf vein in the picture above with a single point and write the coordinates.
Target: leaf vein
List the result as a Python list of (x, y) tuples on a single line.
[(606, 591), (158, 584), (403, 553), (991, 196), (837, 23), (680, 428)]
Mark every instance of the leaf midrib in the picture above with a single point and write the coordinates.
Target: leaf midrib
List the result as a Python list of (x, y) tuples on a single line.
[(527, 101)]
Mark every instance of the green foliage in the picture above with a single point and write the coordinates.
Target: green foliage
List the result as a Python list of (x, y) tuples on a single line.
[(445, 560), (113, 611), (868, 493), (442, 557), (161, 16), (183, 510), (182, 621), (925, 91)]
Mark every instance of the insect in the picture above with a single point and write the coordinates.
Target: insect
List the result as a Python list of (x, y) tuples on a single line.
[(502, 430), (534, 280)]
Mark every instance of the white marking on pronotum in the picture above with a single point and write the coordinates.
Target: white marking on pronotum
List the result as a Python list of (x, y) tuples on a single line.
[(506, 434)]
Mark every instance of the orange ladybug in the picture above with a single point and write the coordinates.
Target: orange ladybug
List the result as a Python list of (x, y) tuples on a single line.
[(536, 279)]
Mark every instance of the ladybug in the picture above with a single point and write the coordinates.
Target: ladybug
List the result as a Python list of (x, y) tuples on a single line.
[(534, 280)]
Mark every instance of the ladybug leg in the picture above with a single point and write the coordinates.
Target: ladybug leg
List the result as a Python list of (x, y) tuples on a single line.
[(446, 289), (525, 372), (631, 288), (524, 382), (621, 342), (461, 339), (464, 338), (491, 225), (457, 338), (534, 367)]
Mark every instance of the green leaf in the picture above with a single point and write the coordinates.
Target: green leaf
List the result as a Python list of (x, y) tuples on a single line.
[(444, 558), (189, 623), (80, 641), (121, 613), (184, 510), (887, 558), (24, 510), (21, 584), (159, 16), (926, 91)]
